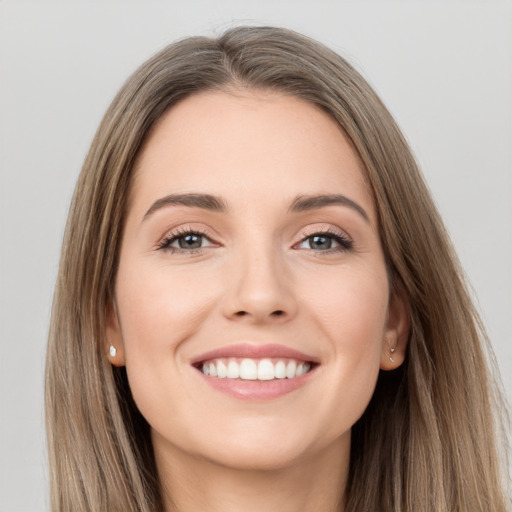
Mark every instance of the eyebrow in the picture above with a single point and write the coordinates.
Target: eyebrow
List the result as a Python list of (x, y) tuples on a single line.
[(301, 203), (205, 201), (304, 203)]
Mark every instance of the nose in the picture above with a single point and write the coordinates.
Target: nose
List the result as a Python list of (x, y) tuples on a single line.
[(260, 290)]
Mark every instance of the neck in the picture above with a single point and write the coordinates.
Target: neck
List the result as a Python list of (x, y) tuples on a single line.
[(312, 484)]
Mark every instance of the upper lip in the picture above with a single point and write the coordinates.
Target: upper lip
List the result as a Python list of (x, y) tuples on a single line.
[(255, 351)]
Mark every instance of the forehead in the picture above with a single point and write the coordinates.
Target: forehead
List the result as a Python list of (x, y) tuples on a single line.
[(255, 145)]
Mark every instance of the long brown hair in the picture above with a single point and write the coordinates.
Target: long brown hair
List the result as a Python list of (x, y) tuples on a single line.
[(428, 439)]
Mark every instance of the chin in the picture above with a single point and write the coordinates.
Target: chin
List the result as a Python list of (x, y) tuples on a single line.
[(266, 447), (273, 457)]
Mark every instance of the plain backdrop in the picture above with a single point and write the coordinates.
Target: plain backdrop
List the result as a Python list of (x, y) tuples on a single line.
[(443, 68)]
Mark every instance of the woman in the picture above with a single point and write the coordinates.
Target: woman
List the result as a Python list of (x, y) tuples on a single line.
[(258, 306)]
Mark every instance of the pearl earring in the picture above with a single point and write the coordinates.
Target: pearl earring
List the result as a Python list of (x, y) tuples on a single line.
[(392, 350), (113, 351)]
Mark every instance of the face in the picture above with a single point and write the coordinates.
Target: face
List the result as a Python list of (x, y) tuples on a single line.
[(252, 306)]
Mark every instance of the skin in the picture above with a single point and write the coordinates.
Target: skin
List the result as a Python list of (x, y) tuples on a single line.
[(257, 279)]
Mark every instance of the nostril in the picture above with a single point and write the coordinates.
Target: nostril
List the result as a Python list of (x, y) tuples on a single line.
[(278, 313)]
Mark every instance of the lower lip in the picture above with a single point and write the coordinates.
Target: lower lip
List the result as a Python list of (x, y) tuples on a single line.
[(256, 389)]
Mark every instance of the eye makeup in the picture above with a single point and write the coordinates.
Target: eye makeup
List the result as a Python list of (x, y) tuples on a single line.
[(192, 240)]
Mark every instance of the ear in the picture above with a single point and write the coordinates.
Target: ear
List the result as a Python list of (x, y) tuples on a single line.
[(114, 340), (396, 334)]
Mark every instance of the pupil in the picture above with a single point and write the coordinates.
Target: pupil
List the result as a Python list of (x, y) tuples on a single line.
[(320, 242), (190, 241)]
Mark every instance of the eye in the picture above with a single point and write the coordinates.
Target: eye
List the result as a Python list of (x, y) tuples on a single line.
[(326, 242), (185, 241)]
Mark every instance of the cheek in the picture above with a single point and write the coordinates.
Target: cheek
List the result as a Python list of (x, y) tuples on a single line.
[(351, 309), (160, 308), (351, 313)]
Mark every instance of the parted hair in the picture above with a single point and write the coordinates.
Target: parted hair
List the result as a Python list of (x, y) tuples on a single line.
[(430, 439)]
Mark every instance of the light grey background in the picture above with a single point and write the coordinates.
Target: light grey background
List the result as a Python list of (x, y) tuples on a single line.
[(443, 68)]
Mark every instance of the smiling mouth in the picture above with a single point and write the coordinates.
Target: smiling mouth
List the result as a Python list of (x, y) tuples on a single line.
[(265, 369)]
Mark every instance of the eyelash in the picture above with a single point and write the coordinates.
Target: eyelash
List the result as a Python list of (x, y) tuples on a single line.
[(165, 243), (345, 243)]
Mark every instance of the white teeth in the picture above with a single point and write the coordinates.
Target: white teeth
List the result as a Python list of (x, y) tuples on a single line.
[(248, 370), (280, 370), (290, 369), (253, 369), (303, 368), (222, 371), (265, 370), (233, 370)]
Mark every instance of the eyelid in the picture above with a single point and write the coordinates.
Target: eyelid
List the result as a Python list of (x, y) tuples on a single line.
[(346, 242), (323, 229), (174, 233)]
